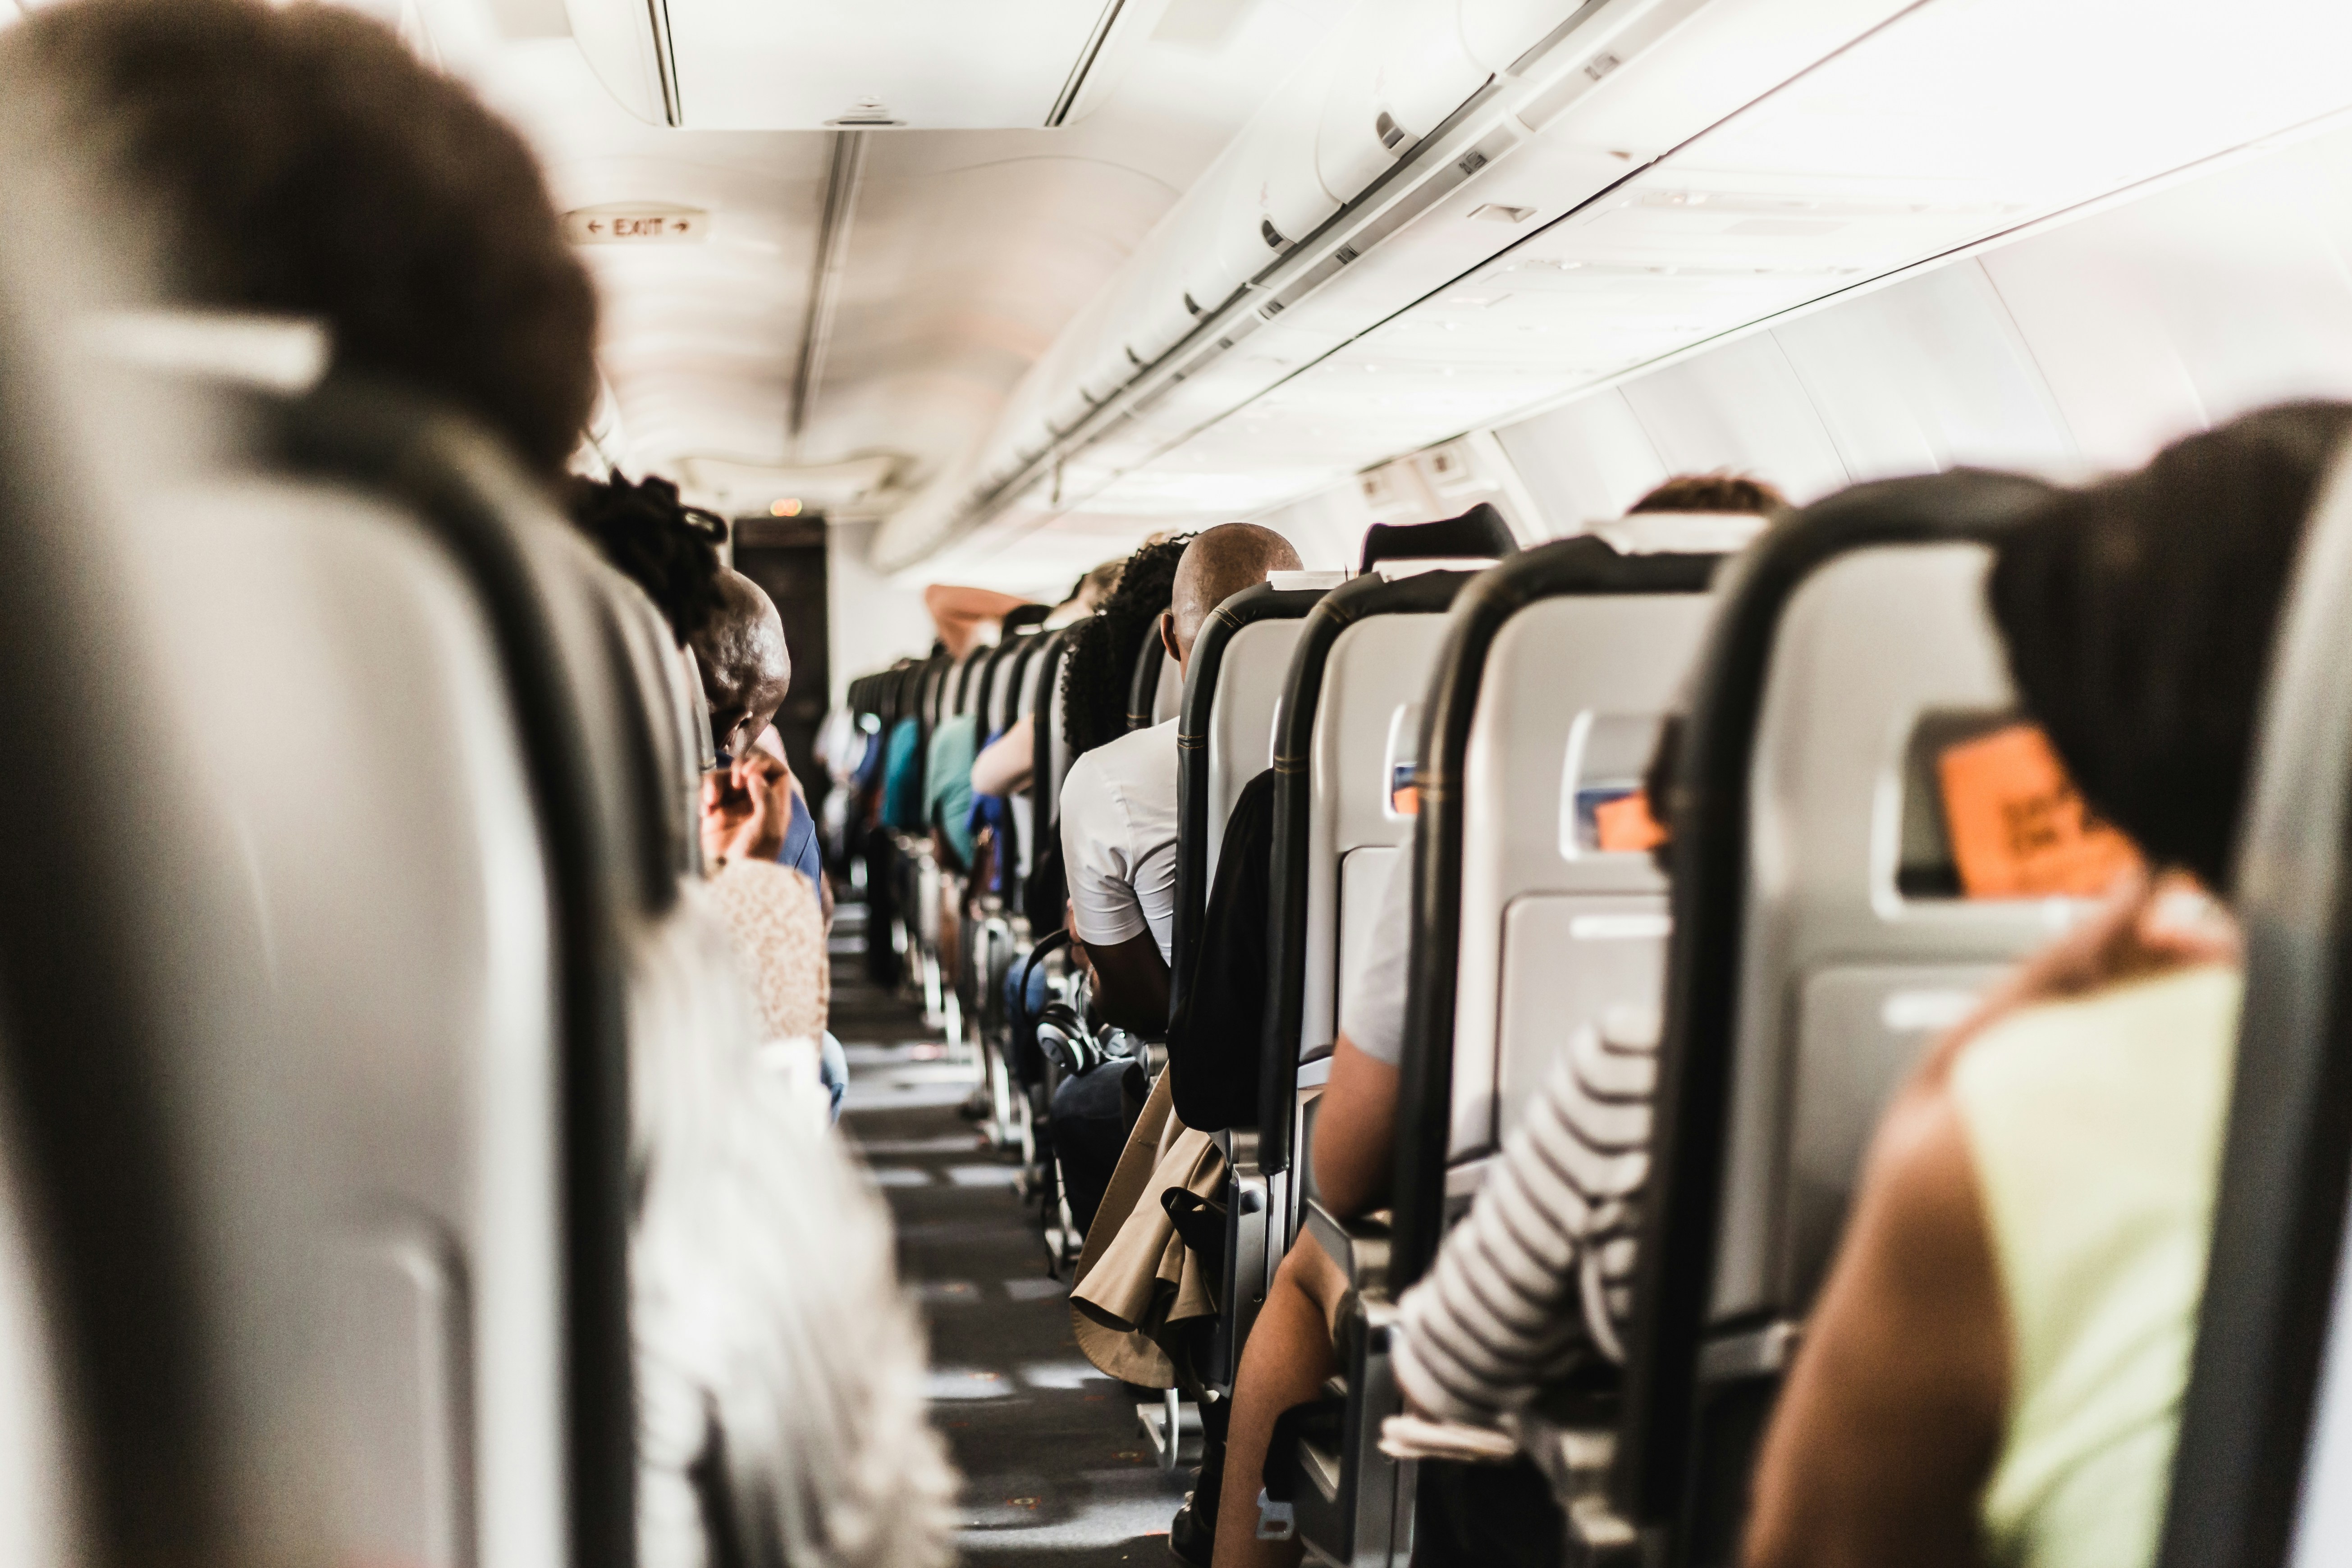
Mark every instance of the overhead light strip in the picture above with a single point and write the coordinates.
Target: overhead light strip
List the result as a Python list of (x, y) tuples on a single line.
[(841, 186), (1085, 64), (1430, 169)]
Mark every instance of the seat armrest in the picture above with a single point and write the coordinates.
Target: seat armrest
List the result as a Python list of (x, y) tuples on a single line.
[(1359, 1246)]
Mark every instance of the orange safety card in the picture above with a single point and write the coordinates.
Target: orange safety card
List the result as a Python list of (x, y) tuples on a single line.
[(1625, 827), (2019, 828)]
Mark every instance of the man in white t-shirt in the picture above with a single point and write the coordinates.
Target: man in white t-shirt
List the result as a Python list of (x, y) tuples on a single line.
[(1118, 802)]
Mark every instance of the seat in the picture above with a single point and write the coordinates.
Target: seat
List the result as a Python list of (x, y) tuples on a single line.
[(1148, 673), (1815, 952), (1349, 723), (1232, 689), (1038, 665), (2264, 1466), (1558, 669), (318, 1027)]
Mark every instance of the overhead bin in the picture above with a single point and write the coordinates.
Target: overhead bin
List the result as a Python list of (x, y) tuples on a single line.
[(1280, 182), (753, 64), (1496, 33), (1152, 313), (1424, 70), (1396, 75), (1210, 269)]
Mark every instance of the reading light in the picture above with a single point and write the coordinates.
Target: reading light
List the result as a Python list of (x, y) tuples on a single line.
[(790, 507)]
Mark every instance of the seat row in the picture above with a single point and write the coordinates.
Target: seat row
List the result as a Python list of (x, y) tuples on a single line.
[(1827, 919)]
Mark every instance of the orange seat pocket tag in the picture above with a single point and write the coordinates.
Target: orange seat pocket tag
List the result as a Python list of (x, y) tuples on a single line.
[(1624, 825), (2019, 828)]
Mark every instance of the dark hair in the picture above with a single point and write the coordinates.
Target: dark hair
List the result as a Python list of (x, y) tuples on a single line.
[(1711, 492), (303, 161), (664, 546), (2139, 614), (1103, 648)]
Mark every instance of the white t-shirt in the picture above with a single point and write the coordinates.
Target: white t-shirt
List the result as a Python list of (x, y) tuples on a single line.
[(1119, 839), (1371, 993)]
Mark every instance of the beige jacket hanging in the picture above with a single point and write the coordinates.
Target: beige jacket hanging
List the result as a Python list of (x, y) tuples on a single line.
[(1136, 1282)]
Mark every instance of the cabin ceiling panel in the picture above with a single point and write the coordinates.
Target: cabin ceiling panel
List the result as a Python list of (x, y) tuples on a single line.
[(1927, 375), (967, 251), (1958, 121)]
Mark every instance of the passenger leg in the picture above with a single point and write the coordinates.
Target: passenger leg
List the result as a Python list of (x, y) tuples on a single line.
[(1287, 1358)]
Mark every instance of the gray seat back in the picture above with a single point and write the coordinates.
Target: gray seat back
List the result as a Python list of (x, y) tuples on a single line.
[(1348, 723), (1555, 931), (311, 1040), (1803, 979), (1232, 687), (1844, 980)]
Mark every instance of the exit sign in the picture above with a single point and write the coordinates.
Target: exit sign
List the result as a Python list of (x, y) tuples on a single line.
[(640, 224)]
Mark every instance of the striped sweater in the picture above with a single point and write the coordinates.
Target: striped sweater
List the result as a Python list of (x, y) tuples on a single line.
[(1541, 1273)]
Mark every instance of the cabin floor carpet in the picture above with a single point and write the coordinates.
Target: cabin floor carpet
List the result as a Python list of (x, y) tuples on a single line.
[(1055, 1470)]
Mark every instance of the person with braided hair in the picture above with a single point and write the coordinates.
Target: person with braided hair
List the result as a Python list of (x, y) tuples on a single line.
[(1105, 647)]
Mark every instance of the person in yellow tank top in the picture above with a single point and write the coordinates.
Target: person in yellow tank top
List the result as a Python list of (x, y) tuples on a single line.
[(1994, 1369)]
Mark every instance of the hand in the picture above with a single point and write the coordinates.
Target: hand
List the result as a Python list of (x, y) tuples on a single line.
[(745, 810)]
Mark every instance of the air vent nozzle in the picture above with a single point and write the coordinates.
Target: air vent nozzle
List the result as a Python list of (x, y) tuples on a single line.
[(1192, 305), (1390, 133), (1271, 235)]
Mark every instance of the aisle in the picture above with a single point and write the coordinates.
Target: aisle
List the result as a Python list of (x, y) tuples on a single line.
[(1056, 1471)]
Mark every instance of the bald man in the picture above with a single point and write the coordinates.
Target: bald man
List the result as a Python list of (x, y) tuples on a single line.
[(746, 670), (1118, 802)]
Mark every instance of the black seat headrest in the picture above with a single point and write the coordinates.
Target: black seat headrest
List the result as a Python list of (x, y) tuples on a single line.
[(1478, 534)]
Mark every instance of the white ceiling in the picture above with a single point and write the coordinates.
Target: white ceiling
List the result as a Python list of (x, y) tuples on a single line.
[(966, 250), (1954, 123)]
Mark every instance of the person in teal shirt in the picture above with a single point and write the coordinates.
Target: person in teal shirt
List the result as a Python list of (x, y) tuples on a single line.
[(946, 784), (902, 778)]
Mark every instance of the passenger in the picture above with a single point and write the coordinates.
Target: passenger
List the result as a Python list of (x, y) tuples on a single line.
[(1737, 494), (299, 161), (1997, 1360), (1290, 1353), (1103, 648), (670, 550), (1118, 802), (1004, 764), (303, 163), (947, 788), (802, 850)]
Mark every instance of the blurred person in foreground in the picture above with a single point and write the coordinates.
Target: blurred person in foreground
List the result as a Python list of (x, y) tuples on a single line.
[(300, 162), (1997, 1358)]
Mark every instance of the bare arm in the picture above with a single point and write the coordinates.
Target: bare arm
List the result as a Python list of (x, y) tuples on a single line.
[(1004, 766), (1131, 983), (1355, 1132), (1891, 1420)]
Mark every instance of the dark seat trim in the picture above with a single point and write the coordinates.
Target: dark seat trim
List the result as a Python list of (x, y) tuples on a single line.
[(1427, 594), (2279, 1211), (1251, 605)]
